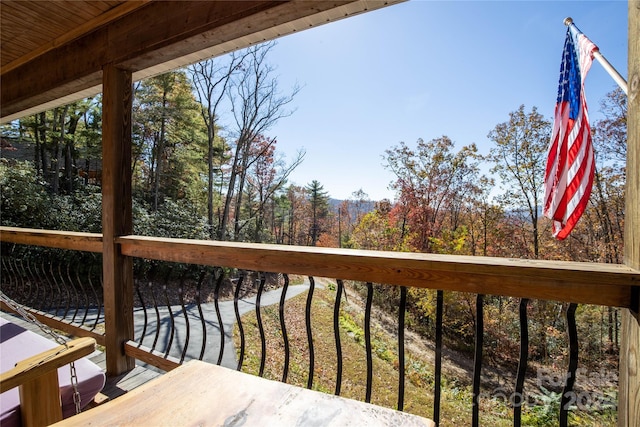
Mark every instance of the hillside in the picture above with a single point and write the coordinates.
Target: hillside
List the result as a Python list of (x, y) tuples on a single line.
[(418, 399)]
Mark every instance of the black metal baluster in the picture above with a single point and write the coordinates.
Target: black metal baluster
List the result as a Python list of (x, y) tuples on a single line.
[(518, 401), (5, 271), (157, 310), (336, 332), (35, 283), (567, 392), (186, 318), (285, 337), (26, 285), (477, 360), (13, 265), (263, 342), (203, 324), (236, 295), (41, 285), (96, 299), (216, 302), (172, 327), (86, 296), (7, 277), (9, 281), (144, 311), (76, 297), (100, 298), (20, 283), (401, 359), (437, 387), (309, 335), (367, 341), (66, 288), (45, 278), (59, 297)]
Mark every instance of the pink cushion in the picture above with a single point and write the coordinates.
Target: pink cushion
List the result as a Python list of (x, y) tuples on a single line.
[(17, 343)]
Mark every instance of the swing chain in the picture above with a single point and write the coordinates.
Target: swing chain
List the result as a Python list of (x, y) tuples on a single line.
[(77, 400), (18, 308), (32, 319)]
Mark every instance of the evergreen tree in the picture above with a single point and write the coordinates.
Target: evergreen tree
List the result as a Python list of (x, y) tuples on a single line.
[(319, 207)]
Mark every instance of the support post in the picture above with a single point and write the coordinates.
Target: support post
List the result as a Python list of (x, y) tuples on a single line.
[(40, 400), (117, 219), (629, 380)]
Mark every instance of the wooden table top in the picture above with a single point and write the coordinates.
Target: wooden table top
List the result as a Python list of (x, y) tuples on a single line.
[(203, 394)]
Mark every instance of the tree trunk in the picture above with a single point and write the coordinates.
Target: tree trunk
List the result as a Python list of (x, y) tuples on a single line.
[(58, 120), (159, 152), (68, 155), (222, 234), (236, 216), (211, 137), (37, 151)]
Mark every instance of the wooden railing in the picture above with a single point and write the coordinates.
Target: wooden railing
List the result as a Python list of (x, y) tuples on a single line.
[(568, 282), (585, 283), (578, 282)]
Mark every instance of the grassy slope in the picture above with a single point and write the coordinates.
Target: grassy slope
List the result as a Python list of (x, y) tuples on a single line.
[(456, 394)]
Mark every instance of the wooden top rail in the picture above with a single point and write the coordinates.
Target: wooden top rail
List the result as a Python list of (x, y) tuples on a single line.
[(89, 242), (587, 283), (580, 282)]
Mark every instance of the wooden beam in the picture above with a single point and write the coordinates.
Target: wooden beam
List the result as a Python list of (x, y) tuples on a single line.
[(629, 379), (172, 29), (117, 270), (40, 400), (590, 283), (153, 357), (89, 242)]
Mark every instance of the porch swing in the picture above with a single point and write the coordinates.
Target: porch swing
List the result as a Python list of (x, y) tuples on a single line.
[(42, 382)]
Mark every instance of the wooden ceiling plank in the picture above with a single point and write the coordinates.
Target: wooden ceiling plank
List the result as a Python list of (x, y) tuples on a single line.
[(39, 14), (104, 19), (86, 10)]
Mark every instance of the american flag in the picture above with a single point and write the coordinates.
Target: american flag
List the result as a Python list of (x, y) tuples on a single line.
[(570, 162)]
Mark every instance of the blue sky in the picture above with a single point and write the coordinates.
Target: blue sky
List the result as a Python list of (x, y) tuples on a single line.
[(423, 69)]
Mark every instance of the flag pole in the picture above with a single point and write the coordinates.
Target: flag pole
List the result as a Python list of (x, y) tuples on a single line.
[(615, 75)]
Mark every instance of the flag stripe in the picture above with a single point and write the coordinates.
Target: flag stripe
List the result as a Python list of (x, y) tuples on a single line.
[(570, 161)]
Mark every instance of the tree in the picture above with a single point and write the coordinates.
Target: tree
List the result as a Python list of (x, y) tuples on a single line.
[(90, 140), (484, 218), (256, 104), (519, 158), (267, 176), (59, 137), (610, 141), (374, 231), (432, 182), (319, 207), (211, 79), (170, 132), (610, 133), (349, 214), (296, 215)]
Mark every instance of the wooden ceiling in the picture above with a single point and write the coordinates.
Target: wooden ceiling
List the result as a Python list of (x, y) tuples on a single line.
[(30, 28), (52, 52)]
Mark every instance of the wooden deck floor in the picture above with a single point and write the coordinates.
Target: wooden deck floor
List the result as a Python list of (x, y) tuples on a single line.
[(115, 386)]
